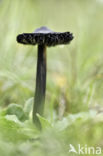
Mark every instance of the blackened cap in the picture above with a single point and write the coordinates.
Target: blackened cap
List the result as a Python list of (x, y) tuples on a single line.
[(45, 36)]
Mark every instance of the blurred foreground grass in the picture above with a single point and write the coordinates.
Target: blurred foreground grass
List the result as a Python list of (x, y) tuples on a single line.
[(74, 78)]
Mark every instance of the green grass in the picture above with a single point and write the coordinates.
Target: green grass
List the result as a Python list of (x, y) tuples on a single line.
[(74, 96)]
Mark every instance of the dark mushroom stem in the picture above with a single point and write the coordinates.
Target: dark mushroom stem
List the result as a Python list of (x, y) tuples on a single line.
[(39, 99)]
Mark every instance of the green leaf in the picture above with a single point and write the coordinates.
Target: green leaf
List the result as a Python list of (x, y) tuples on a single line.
[(28, 105), (15, 109), (44, 122), (11, 130), (14, 119), (74, 118)]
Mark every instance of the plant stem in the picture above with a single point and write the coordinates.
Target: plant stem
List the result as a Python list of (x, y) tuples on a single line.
[(39, 99)]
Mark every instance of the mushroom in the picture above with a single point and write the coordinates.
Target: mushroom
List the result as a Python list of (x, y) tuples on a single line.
[(43, 37)]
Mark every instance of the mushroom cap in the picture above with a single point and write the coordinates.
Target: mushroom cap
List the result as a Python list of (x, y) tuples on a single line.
[(43, 35)]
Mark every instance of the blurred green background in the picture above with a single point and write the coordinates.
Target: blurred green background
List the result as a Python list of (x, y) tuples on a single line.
[(74, 76)]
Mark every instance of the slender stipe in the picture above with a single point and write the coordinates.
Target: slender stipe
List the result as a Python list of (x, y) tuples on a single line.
[(39, 98)]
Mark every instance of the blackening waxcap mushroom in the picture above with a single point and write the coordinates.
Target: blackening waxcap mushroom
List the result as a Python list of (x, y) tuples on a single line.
[(45, 36), (42, 37)]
